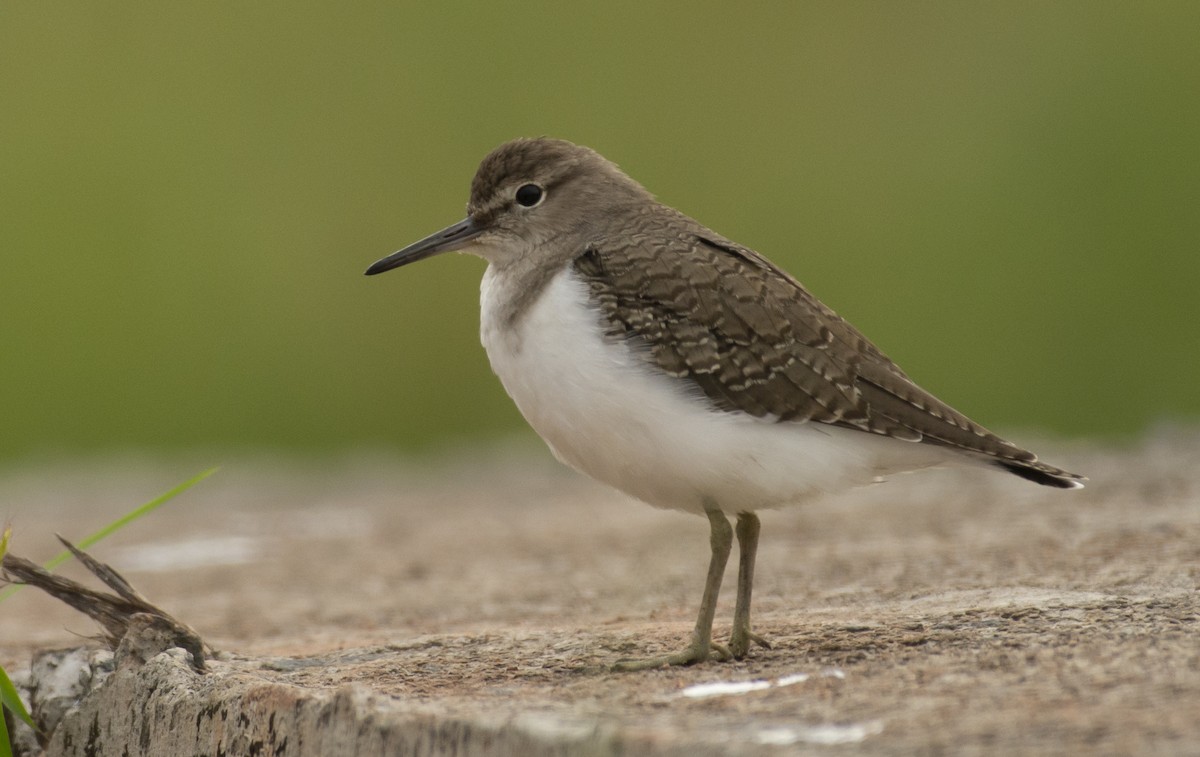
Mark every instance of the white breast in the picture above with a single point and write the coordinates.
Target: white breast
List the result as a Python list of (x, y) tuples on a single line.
[(607, 413)]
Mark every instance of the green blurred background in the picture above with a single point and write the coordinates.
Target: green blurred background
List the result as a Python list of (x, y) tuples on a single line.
[(1004, 196)]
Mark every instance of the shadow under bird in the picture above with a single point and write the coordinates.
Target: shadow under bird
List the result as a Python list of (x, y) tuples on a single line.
[(663, 359)]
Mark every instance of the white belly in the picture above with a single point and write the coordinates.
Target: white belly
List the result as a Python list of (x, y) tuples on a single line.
[(607, 413)]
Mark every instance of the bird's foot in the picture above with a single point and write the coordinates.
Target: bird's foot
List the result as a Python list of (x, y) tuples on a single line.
[(740, 639), (690, 655)]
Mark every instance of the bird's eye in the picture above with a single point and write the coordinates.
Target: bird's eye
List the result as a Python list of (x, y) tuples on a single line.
[(529, 195)]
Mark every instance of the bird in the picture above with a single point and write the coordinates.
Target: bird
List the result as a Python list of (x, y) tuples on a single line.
[(683, 368)]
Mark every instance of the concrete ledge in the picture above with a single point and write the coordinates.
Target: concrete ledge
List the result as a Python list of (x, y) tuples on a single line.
[(164, 707), (477, 611)]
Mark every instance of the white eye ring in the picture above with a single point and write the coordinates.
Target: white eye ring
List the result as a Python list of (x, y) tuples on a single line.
[(530, 195)]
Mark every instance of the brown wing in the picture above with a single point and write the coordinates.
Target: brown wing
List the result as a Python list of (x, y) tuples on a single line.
[(753, 340)]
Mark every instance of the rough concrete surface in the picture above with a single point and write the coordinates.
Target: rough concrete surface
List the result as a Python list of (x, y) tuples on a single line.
[(473, 604)]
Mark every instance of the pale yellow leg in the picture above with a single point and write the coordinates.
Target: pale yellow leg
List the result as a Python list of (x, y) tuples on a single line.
[(701, 646), (747, 535)]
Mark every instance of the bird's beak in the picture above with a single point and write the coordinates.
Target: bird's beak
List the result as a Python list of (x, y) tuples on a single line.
[(448, 239)]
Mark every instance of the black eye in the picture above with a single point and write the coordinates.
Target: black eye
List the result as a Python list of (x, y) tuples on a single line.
[(529, 195)]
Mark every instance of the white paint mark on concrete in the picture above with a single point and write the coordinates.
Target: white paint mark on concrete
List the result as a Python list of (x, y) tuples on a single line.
[(725, 688), (722, 688)]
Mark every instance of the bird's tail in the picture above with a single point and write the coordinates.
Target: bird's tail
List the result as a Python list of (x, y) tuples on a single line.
[(1040, 473)]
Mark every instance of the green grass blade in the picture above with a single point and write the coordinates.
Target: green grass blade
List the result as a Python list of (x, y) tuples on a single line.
[(130, 517), (12, 701), (8, 692), (5, 748), (117, 524), (9, 698)]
